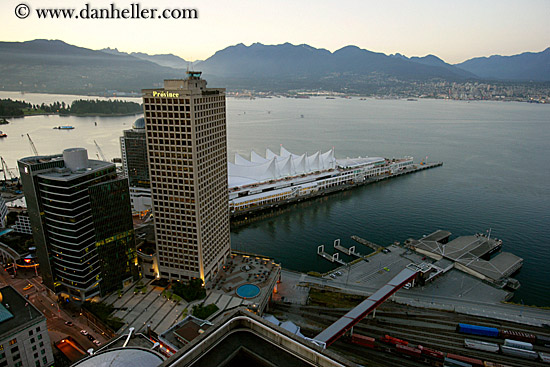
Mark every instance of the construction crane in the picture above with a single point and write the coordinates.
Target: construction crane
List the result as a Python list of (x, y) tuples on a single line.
[(12, 178), (100, 151), (6, 169), (32, 145)]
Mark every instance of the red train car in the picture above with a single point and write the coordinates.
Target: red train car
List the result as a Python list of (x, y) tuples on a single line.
[(473, 361), (413, 352), (363, 340), (431, 352), (391, 340)]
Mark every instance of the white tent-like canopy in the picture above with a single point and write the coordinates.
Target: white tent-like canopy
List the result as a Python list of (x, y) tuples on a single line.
[(273, 167)]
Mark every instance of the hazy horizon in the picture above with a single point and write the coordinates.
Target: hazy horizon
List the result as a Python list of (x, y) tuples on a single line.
[(454, 32)]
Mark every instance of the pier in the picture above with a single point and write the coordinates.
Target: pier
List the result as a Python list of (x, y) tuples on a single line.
[(362, 241), (332, 258), (471, 255), (348, 251), (256, 208)]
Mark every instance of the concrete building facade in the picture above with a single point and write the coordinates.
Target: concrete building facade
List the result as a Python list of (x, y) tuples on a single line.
[(187, 147), (24, 338)]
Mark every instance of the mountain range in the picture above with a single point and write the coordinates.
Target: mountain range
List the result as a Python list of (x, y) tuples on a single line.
[(56, 67)]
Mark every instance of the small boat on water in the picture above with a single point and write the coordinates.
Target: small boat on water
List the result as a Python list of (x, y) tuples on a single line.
[(3, 135), (64, 127)]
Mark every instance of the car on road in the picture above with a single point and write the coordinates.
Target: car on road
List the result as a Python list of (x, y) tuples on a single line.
[(386, 269), (407, 286), (332, 276), (83, 332), (338, 273), (69, 323), (28, 286), (97, 342), (90, 337)]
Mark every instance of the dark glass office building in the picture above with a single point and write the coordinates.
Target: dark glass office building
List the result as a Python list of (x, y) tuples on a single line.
[(66, 196)]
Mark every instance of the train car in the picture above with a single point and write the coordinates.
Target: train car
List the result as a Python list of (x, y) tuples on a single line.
[(431, 353), (480, 345), (477, 330), (391, 340), (518, 335), (413, 352), (363, 340), (473, 361), (449, 362), (493, 364), (521, 353), (542, 340), (545, 357), (518, 344)]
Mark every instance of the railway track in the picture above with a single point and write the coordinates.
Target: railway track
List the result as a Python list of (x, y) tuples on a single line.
[(433, 329)]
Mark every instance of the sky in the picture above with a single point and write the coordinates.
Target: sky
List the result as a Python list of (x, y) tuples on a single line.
[(452, 30)]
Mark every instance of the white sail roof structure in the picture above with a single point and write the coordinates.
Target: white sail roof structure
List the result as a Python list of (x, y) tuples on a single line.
[(273, 167)]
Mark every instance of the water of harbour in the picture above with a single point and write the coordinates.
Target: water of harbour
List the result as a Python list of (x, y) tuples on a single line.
[(496, 173)]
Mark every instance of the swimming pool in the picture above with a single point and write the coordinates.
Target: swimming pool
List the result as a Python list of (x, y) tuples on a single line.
[(248, 291)]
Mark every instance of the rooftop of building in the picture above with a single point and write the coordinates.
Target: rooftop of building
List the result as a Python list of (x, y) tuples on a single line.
[(139, 124), (244, 339), (187, 329), (501, 266), (16, 313), (137, 352), (122, 357), (464, 247), (72, 164), (138, 340), (469, 251), (67, 174), (438, 236), (192, 85)]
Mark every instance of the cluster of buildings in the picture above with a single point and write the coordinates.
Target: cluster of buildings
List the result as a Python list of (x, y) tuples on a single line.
[(80, 209), (175, 166), (80, 213)]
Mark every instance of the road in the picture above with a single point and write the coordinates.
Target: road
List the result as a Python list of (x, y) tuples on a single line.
[(44, 300)]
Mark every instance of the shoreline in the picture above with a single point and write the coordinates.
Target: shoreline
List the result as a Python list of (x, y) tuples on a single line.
[(73, 115), (287, 95)]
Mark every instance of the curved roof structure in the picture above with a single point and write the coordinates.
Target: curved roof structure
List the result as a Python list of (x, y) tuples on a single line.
[(273, 167), (122, 357), (139, 123)]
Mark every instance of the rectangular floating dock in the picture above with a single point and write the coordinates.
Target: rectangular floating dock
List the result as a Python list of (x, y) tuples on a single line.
[(332, 258), (348, 251), (362, 241)]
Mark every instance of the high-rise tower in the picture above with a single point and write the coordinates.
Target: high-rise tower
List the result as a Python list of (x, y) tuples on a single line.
[(81, 222), (133, 146), (186, 143)]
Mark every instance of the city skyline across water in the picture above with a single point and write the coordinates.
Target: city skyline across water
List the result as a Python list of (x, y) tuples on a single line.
[(495, 174)]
